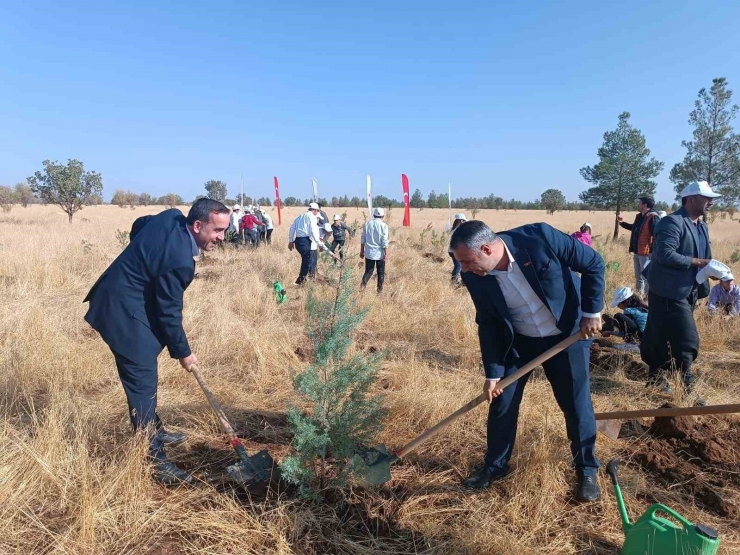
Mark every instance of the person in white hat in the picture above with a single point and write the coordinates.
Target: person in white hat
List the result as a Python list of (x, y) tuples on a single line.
[(583, 235), (235, 220), (339, 230), (374, 248), (629, 324), (456, 266), (304, 237), (680, 249), (725, 297)]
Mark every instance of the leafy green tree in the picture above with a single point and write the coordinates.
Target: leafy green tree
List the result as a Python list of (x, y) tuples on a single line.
[(68, 186), (216, 189), (337, 389), (355, 201), (264, 201), (714, 153), (552, 200), (624, 172), (24, 194), (432, 199), (417, 200)]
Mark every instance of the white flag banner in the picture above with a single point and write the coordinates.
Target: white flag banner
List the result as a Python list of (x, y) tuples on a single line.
[(369, 195), (315, 189), (448, 227)]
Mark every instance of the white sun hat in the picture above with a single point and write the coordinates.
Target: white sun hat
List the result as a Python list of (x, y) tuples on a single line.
[(337, 217), (461, 216), (728, 277), (236, 207), (378, 212), (699, 188), (715, 269), (327, 226), (313, 206), (620, 295)]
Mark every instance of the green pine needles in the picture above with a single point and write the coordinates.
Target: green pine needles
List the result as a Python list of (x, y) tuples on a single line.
[(337, 389)]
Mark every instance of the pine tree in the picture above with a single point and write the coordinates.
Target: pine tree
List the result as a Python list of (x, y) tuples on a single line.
[(337, 387)]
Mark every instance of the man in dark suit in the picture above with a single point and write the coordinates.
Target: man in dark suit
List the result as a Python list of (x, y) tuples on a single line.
[(136, 306), (681, 248), (528, 298)]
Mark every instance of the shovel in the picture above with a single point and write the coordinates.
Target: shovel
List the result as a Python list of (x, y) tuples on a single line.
[(378, 460), (610, 423), (255, 468)]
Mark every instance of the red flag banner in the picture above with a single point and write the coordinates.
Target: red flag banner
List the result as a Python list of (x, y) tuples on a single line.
[(277, 201), (406, 200)]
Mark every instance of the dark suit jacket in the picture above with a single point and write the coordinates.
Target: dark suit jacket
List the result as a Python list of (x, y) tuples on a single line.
[(548, 259), (677, 241), (136, 305)]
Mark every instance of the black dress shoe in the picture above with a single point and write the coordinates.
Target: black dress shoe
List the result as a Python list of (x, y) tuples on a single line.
[(168, 474), (483, 479), (588, 489), (172, 438)]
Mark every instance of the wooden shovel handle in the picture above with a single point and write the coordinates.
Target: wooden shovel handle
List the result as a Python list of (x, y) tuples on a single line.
[(507, 381), (671, 411), (215, 405)]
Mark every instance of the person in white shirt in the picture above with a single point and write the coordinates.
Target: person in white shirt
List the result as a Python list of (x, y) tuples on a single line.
[(269, 227), (235, 220), (528, 297), (374, 248), (304, 237)]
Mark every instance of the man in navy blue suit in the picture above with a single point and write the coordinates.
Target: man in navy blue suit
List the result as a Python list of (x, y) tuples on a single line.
[(136, 306), (528, 298)]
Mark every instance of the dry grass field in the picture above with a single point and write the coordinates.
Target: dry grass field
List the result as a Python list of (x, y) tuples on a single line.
[(74, 481)]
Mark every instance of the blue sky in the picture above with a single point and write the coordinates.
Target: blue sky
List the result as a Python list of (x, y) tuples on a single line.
[(504, 98)]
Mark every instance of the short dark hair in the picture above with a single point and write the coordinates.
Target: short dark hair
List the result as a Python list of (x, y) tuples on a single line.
[(203, 208), (473, 234), (650, 201)]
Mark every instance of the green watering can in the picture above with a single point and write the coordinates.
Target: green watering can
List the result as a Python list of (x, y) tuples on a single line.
[(279, 292), (655, 535)]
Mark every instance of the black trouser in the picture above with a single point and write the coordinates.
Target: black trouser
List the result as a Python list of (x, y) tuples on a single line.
[(625, 325), (370, 265), (338, 243), (140, 384), (568, 375), (268, 236), (671, 339), (303, 246)]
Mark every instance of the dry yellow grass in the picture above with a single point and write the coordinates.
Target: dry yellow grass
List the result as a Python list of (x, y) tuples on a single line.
[(72, 480)]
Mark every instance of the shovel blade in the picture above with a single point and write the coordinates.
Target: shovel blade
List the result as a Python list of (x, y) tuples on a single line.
[(610, 428), (258, 468), (373, 466)]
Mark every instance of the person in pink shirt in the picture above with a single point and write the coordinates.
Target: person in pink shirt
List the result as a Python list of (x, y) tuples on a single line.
[(583, 235)]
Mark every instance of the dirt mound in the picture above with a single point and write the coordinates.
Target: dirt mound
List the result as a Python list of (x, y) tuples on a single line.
[(606, 360), (700, 458)]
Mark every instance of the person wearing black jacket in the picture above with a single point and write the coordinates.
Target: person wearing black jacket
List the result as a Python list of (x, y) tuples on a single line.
[(641, 241), (137, 304), (339, 230)]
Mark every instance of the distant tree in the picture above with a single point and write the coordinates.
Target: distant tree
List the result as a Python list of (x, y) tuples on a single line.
[(714, 153), (624, 171), (264, 201), (432, 199), (123, 198), (662, 205), (216, 189), (7, 198), (356, 202), (171, 200), (553, 200), (290, 201), (145, 199), (417, 200), (24, 194), (66, 186), (95, 199)]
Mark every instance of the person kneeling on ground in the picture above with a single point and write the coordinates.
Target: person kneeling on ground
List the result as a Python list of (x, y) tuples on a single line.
[(630, 324), (528, 299), (583, 235), (725, 297)]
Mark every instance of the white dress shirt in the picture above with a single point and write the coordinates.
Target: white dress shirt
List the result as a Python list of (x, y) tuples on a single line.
[(529, 315), (306, 225), (374, 238), (268, 220)]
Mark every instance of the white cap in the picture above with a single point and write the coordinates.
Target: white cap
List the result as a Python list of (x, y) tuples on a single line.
[(461, 216), (620, 295), (313, 206), (588, 225), (378, 212), (728, 277), (699, 188), (327, 226), (337, 217), (715, 269), (250, 211), (236, 207)]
